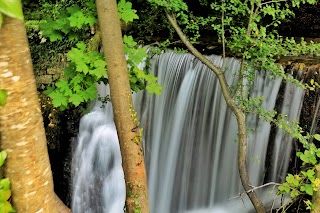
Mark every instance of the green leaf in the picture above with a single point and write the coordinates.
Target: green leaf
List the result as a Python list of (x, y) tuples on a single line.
[(75, 53), (63, 87), (290, 178), (126, 13), (5, 183), (5, 194), (82, 67), (49, 28), (100, 64), (284, 188), (72, 36), (128, 40), (91, 20), (294, 193), (100, 70), (139, 73), (62, 84), (77, 79), (154, 88), (48, 91), (55, 36), (12, 8), (317, 137), (76, 99), (73, 9), (311, 174), (81, 46), (309, 189), (61, 25), (3, 97), (77, 19), (90, 93), (151, 78), (58, 99), (3, 156), (69, 72), (6, 207)]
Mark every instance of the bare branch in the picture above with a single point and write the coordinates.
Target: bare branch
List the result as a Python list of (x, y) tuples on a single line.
[(255, 188), (264, 185)]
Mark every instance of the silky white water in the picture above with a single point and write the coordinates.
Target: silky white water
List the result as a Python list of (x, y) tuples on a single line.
[(190, 142), (98, 185)]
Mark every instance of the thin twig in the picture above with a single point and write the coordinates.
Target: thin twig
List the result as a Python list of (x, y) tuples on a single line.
[(239, 87), (264, 185), (268, 2), (222, 34), (255, 188)]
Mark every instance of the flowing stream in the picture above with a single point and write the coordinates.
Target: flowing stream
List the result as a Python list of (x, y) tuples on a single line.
[(190, 143)]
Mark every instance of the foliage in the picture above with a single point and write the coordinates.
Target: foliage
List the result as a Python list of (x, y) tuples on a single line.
[(306, 181), (5, 191), (126, 13), (10, 8), (87, 67), (78, 84), (70, 22), (3, 97), (136, 55)]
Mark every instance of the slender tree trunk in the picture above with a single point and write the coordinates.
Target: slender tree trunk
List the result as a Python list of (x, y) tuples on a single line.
[(132, 155), (240, 116), (316, 194), (21, 125)]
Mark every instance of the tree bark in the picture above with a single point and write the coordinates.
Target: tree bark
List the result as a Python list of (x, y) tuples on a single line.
[(132, 155), (21, 125), (240, 116), (316, 194)]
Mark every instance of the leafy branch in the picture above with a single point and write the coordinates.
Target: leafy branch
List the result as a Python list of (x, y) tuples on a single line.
[(86, 65)]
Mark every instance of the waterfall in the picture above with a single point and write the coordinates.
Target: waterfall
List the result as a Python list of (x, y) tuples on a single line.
[(191, 136), (98, 185), (190, 140)]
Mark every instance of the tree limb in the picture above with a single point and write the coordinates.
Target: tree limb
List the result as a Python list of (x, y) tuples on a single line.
[(239, 114)]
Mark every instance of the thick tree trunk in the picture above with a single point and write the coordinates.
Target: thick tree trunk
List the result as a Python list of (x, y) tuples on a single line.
[(21, 125), (132, 156)]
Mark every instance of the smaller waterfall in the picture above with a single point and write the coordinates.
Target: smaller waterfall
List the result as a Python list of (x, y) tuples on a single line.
[(99, 185)]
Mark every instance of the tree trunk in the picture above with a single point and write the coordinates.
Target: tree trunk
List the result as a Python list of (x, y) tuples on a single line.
[(132, 155), (21, 125), (316, 194)]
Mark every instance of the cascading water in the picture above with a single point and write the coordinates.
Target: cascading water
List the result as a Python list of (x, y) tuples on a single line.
[(190, 140), (190, 136), (98, 185)]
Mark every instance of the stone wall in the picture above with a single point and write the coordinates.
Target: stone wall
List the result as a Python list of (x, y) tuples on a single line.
[(47, 77)]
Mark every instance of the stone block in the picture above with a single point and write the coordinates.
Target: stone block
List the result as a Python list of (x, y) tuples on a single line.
[(53, 71), (44, 79)]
